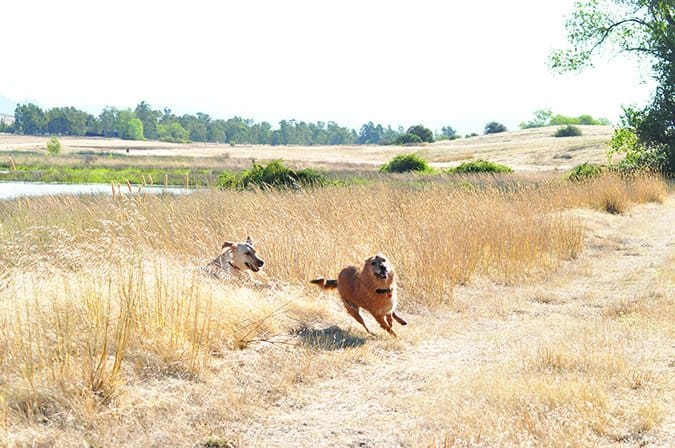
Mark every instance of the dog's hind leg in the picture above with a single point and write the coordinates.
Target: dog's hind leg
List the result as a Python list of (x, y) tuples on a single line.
[(382, 320), (399, 319), (354, 312)]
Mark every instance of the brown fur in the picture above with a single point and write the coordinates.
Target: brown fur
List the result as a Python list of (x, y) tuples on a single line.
[(372, 288)]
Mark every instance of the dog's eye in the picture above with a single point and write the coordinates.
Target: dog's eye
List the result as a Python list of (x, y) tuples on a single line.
[(373, 263)]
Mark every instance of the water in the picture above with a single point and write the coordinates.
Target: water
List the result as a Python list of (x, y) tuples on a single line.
[(9, 190)]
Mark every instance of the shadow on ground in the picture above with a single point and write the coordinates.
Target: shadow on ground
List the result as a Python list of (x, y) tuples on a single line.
[(331, 338)]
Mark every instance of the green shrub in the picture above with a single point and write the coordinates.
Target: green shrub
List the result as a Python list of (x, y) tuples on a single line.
[(423, 133), (480, 166), (494, 127), (53, 146), (585, 171), (274, 175), (568, 131), (407, 139), (404, 163)]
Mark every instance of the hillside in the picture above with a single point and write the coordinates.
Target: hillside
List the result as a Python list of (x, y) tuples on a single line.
[(523, 150)]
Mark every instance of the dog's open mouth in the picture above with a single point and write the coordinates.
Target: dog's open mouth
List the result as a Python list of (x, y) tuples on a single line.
[(382, 274), (252, 267)]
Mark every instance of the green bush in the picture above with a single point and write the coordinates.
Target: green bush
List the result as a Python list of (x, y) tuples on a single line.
[(494, 127), (585, 171), (53, 146), (568, 131), (407, 139), (404, 163), (423, 133), (480, 166), (274, 175)]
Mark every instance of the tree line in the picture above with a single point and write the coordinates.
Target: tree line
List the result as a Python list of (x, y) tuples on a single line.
[(146, 123)]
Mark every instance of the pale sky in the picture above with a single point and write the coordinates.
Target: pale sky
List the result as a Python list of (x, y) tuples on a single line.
[(435, 63)]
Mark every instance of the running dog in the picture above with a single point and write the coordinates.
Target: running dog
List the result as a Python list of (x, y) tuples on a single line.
[(373, 288), (237, 259)]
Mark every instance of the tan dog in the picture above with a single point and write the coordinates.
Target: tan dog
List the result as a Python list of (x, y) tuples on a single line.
[(373, 288), (237, 259)]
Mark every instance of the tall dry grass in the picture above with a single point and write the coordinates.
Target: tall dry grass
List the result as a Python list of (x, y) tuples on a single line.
[(98, 292)]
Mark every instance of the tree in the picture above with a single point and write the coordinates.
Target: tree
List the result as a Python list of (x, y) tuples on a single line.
[(172, 131), (449, 132), (150, 119), (29, 119), (134, 129), (542, 118), (108, 121), (423, 133), (646, 30), (493, 127), (370, 134)]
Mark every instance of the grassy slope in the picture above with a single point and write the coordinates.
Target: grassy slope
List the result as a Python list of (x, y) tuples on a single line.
[(528, 149)]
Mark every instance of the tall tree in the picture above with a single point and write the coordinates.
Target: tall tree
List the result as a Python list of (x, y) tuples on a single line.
[(645, 29), (29, 119), (149, 118)]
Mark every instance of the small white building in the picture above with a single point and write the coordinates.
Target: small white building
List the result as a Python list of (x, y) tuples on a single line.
[(7, 119)]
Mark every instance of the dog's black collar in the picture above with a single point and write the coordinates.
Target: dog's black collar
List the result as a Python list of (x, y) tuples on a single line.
[(383, 290), (230, 263)]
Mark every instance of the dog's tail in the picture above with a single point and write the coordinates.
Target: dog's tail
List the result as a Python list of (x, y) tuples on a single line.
[(325, 283)]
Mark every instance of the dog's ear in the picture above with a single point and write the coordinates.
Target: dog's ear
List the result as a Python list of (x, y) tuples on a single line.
[(249, 240), (228, 244)]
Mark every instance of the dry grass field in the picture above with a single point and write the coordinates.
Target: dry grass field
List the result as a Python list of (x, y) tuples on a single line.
[(536, 318), (524, 150)]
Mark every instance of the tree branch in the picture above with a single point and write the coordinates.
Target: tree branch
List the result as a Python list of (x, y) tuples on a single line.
[(607, 31)]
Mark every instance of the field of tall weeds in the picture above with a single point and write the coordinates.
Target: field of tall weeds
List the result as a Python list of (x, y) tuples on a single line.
[(99, 292)]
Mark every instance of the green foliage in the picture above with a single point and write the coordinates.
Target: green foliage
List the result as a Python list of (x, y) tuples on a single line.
[(568, 131), (407, 139), (480, 166), (449, 133), (637, 154), (172, 132), (134, 129), (53, 146), (585, 171), (645, 29), (585, 119), (274, 175), (494, 127), (542, 118), (423, 133), (403, 163)]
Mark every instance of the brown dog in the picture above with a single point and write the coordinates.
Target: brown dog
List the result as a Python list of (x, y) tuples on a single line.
[(373, 289)]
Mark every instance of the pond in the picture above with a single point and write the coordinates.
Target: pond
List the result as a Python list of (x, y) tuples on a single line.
[(9, 190)]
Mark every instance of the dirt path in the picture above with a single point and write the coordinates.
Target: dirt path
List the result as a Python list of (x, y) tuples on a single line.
[(625, 257)]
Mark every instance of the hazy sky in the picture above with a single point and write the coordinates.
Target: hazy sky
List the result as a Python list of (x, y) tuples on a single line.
[(436, 63)]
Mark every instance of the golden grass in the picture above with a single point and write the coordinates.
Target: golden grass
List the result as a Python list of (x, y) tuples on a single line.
[(101, 296)]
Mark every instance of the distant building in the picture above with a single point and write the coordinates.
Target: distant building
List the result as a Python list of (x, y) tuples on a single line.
[(7, 119)]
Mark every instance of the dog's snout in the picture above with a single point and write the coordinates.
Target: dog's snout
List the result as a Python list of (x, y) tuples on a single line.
[(261, 262)]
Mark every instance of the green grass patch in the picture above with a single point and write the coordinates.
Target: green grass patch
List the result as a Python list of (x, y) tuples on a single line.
[(98, 174)]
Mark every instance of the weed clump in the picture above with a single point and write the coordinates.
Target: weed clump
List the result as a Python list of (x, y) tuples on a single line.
[(272, 175), (404, 163), (568, 131), (480, 166), (585, 171)]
